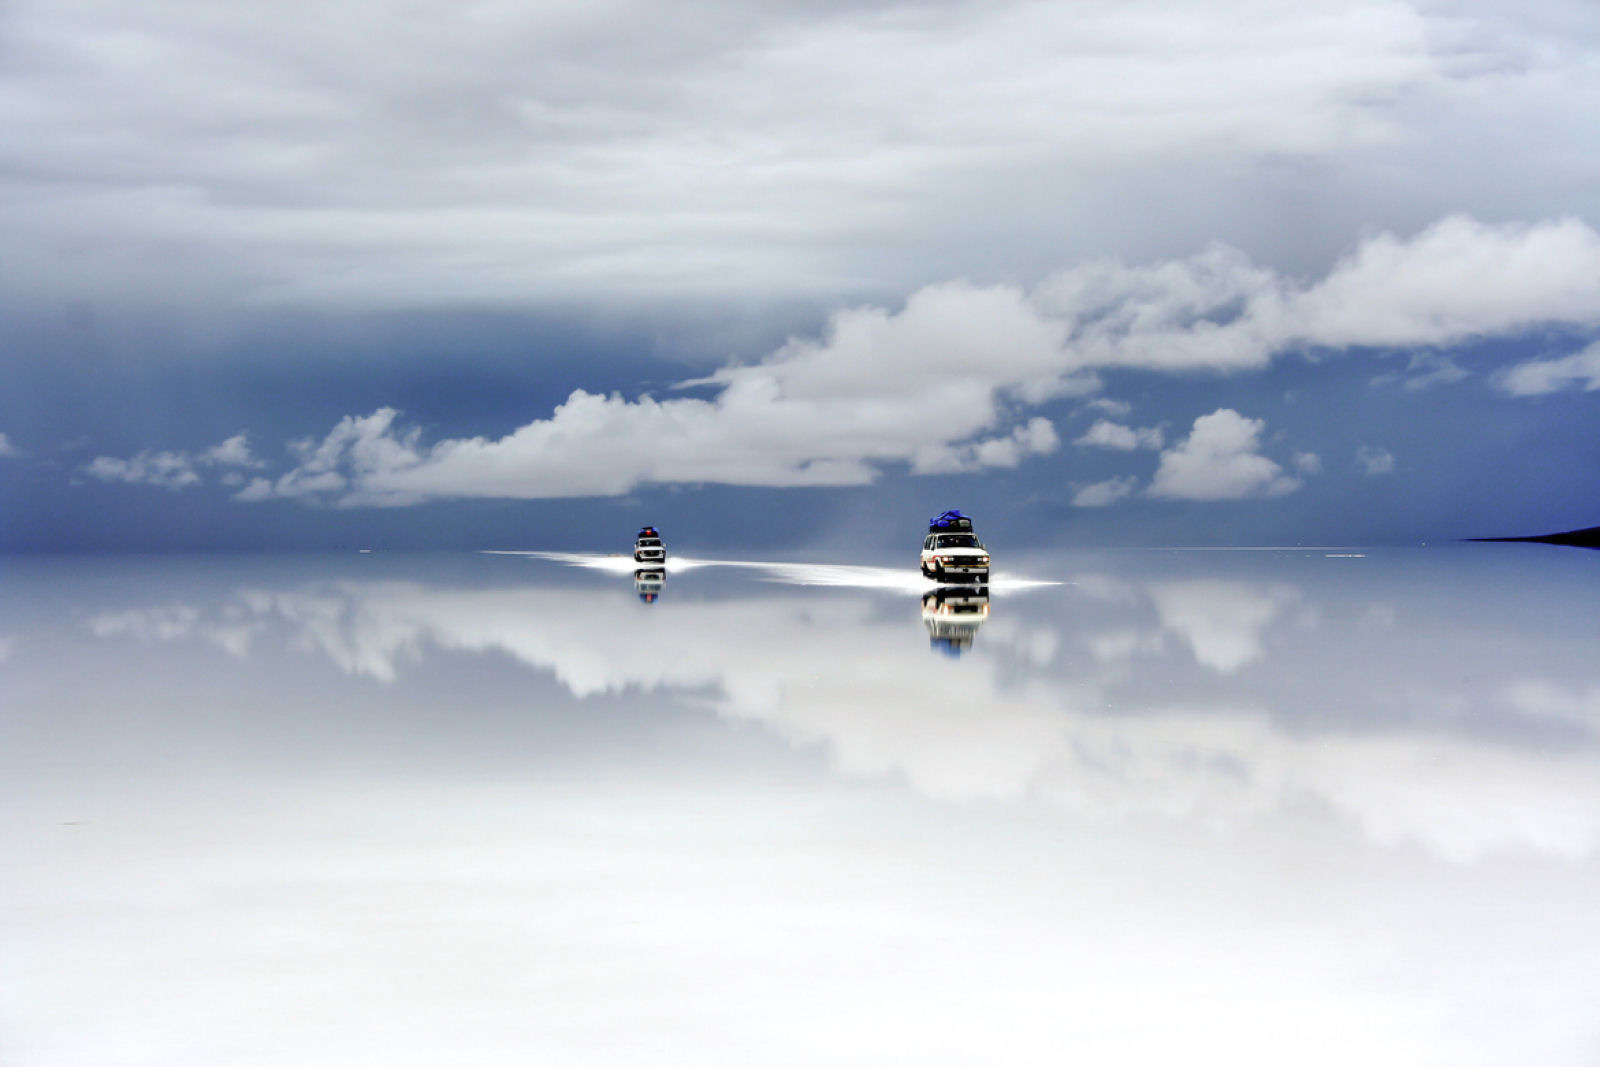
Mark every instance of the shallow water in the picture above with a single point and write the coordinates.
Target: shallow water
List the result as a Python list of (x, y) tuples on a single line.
[(1269, 807)]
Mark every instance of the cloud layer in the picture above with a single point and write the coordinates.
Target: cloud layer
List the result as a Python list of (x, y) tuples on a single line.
[(393, 153), (946, 383)]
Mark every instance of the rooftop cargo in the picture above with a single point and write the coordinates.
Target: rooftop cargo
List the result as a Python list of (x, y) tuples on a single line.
[(951, 521)]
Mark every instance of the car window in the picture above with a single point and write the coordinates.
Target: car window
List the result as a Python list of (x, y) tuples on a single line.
[(958, 541)]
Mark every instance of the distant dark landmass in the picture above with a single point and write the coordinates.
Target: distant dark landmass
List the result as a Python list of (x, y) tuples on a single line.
[(1588, 538)]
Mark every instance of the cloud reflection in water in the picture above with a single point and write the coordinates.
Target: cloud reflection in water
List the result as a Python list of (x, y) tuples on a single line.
[(435, 810), (1124, 728)]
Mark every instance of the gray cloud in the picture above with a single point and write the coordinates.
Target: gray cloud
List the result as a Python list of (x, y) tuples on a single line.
[(389, 153)]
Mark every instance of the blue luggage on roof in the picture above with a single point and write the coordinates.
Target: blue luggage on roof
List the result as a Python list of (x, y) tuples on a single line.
[(950, 521)]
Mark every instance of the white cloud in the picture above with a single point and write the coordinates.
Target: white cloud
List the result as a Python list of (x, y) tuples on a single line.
[(1454, 281), (1108, 434), (1538, 377), (1375, 461), (9, 450), (167, 470), (234, 452), (1579, 705), (1219, 461), (943, 383), (1106, 493), (921, 387), (172, 469), (1459, 278), (1308, 463), (1424, 369), (1117, 409), (1036, 437), (1223, 622)]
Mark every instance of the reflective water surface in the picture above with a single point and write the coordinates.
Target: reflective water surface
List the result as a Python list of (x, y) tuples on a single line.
[(1273, 807)]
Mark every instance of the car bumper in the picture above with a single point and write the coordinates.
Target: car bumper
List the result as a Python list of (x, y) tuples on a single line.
[(962, 570)]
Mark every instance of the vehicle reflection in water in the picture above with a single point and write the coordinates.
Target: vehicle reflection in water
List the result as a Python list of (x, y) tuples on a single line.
[(952, 617), (647, 582)]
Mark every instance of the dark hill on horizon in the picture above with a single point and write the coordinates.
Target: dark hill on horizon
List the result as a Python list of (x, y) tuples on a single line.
[(1586, 538)]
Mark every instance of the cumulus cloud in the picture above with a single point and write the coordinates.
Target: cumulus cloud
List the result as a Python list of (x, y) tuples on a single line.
[(166, 470), (1581, 370), (1375, 461), (1456, 280), (1460, 278), (1115, 436), (234, 452), (1036, 437), (9, 450), (1220, 460), (1308, 463), (173, 469), (925, 387), (1103, 494), (944, 383)]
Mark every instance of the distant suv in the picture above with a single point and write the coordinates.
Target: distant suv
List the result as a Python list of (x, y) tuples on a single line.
[(952, 551), (647, 547)]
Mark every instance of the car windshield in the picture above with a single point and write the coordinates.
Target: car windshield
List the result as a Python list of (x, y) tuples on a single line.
[(649, 542), (958, 541)]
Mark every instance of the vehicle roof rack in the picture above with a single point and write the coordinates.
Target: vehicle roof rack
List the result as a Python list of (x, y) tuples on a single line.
[(951, 521)]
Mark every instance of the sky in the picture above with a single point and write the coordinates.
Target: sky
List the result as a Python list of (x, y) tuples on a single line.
[(796, 275)]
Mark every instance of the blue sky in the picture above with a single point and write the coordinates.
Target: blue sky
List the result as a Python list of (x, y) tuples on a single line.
[(797, 274)]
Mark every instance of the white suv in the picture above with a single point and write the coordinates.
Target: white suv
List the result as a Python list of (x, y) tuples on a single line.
[(951, 556), (647, 547)]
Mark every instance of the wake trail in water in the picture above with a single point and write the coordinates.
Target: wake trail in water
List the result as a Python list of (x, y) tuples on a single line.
[(898, 579)]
